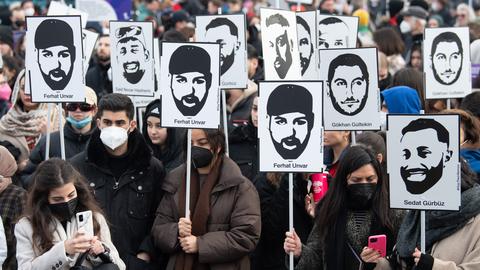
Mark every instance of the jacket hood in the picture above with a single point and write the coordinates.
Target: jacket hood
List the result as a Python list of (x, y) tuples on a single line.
[(473, 158), (138, 150), (402, 99), (230, 176), (174, 136)]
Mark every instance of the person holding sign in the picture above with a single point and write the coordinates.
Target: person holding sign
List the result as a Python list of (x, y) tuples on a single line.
[(354, 208), (125, 177), (224, 223), (452, 237), (48, 236)]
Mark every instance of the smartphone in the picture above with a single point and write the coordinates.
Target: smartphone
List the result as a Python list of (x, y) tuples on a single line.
[(379, 243), (85, 222)]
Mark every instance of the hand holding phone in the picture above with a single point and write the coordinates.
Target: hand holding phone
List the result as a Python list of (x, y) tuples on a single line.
[(378, 243), (85, 222)]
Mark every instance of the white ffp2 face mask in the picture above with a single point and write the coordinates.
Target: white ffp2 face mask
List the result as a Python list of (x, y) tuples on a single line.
[(405, 27), (113, 136)]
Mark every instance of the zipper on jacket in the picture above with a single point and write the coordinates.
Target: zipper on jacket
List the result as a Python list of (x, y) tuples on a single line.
[(115, 186)]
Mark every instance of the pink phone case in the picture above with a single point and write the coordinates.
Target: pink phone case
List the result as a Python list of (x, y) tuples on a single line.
[(379, 243)]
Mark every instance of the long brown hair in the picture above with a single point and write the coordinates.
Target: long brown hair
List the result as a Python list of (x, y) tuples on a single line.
[(52, 174)]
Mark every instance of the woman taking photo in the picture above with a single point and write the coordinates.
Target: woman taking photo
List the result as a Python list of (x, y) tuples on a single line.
[(452, 237), (354, 208), (224, 224), (48, 235)]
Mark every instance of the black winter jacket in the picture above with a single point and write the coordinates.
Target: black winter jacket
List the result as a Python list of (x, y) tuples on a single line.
[(97, 79), (270, 254), (243, 149), (74, 144), (129, 206)]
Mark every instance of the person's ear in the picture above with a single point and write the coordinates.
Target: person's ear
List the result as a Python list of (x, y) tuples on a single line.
[(237, 45), (98, 122), (291, 45), (133, 125), (380, 158), (328, 92)]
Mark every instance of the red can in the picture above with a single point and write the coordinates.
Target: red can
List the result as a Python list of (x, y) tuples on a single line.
[(319, 186)]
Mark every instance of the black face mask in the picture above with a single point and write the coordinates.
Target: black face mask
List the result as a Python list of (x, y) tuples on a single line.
[(64, 211), (359, 196), (201, 157)]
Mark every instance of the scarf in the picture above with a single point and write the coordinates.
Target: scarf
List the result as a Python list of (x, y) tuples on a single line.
[(200, 211), (17, 122), (439, 224)]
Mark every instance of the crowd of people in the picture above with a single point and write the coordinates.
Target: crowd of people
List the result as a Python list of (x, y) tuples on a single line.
[(133, 179)]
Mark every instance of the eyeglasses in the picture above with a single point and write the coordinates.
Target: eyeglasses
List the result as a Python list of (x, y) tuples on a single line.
[(84, 107)]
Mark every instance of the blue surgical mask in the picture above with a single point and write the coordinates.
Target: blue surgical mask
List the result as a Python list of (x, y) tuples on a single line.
[(79, 123)]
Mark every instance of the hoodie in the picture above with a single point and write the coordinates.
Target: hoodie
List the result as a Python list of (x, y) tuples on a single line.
[(473, 158), (402, 100), (171, 156)]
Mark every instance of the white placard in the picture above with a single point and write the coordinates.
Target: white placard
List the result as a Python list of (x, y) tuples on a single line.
[(446, 62), (98, 10), (156, 54), (131, 46), (279, 44), (89, 39), (336, 32), (289, 126), (423, 161), (189, 81), (59, 9), (304, 2), (229, 31), (351, 95), (55, 59), (306, 35)]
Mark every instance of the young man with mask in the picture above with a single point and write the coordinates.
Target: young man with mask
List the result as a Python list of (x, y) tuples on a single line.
[(76, 131), (125, 179)]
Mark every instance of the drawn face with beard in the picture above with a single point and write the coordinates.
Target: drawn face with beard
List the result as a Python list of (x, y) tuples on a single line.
[(132, 57), (348, 84), (224, 32), (190, 78), (55, 53), (290, 118), (305, 45), (56, 65), (447, 58), (277, 26), (423, 159)]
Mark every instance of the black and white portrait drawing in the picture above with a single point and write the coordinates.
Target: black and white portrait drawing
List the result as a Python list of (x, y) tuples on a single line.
[(423, 161), (57, 8), (290, 133), (307, 48), (89, 39), (132, 58), (55, 53), (229, 32), (279, 45), (189, 82), (351, 89), (336, 32), (447, 62)]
